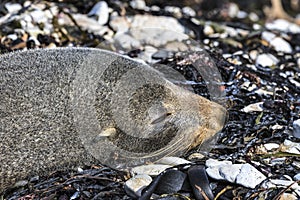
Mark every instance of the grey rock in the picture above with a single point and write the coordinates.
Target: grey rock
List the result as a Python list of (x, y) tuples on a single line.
[(266, 60), (296, 128), (189, 11), (101, 11), (119, 24), (283, 26), (230, 172), (13, 7), (151, 169), (281, 45), (137, 183), (249, 176), (125, 42), (268, 36), (290, 147), (138, 4), (255, 107), (243, 174)]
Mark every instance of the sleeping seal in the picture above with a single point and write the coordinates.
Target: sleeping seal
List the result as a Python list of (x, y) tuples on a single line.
[(66, 107)]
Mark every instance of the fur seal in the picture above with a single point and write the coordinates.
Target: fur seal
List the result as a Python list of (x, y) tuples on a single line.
[(67, 107)]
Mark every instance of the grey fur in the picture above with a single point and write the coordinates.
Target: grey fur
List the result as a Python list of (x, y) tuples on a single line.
[(55, 104)]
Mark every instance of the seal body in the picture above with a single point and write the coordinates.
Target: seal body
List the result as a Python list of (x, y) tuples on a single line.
[(68, 107)]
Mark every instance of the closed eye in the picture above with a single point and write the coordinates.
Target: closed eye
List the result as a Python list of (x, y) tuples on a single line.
[(161, 118)]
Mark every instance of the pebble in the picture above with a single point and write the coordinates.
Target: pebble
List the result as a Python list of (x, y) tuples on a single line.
[(266, 60), (283, 25), (281, 45), (249, 176), (101, 11), (255, 107), (12, 7), (208, 30), (243, 174), (158, 22), (173, 161), (188, 11), (296, 128), (157, 36), (290, 147), (297, 177), (138, 4), (119, 24), (278, 161), (233, 10), (253, 17), (174, 10), (268, 36), (151, 169), (271, 146), (170, 182), (125, 41), (136, 184), (39, 16)]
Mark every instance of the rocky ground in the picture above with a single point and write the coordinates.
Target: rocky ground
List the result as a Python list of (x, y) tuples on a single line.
[(258, 56)]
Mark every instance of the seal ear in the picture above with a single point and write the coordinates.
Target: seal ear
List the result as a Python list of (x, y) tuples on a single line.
[(105, 133)]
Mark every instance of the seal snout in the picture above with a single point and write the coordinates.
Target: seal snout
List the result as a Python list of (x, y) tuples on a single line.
[(217, 117)]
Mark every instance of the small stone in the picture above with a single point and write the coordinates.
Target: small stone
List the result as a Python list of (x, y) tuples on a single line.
[(189, 11), (208, 30), (284, 183), (266, 60), (290, 147), (268, 36), (138, 4), (162, 54), (253, 17), (255, 107), (151, 170), (241, 14), (119, 24), (271, 146), (233, 10), (126, 42), (173, 161), (174, 10), (196, 156), (296, 128), (283, 25), (249, 176), (158, 22), (39, 16), (137, 183), (213, 163), (278, 161), (297, 177), (213, 168), (101, 11), (243, 174), (277, 127), (170, 182), (253, 54), (281, 45), (12, 7), (230, 172)]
